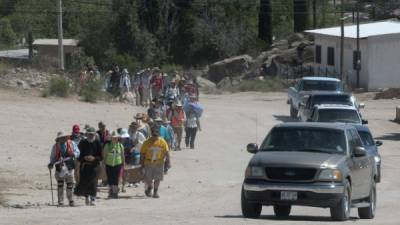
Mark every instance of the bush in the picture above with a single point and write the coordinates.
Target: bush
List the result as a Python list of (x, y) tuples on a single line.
[(4, 67), (58, 86), (92, 90)]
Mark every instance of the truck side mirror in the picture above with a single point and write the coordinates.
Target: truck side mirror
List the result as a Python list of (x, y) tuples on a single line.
[(378, 143), (252, 148), (360, 151), (364, 121), (361, 105)]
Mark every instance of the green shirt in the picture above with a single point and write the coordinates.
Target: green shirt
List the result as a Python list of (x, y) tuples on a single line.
[(113, 154)]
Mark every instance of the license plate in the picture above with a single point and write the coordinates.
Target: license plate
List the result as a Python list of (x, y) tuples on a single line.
[(288, 195)]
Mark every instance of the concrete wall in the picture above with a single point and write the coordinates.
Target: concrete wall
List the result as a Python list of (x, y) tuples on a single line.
[(384, 61), (52, 50), (349, 47)]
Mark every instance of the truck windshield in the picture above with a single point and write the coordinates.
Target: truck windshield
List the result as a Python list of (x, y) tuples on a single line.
[(332, 99), (338, 115), (317, 85), (305, 139)]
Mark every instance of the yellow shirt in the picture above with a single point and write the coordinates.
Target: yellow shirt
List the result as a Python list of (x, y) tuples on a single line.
[(154, 151)]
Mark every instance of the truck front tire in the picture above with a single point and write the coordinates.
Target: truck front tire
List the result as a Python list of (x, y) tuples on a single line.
[(341, 211), (250, 210), (293, 112), (369, 212)]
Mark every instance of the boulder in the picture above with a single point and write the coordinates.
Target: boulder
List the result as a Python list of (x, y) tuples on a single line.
[(127, 97), (231, 67), (296, 37), (19, 83), (265, 55), (281, 44), (228, 82), (205, 84)]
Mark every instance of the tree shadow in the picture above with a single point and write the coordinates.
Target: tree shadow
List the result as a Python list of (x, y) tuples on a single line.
[(389, 137), (284, 119), (287, 218)]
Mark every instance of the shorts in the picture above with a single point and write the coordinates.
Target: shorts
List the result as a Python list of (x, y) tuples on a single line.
[(153, 172)]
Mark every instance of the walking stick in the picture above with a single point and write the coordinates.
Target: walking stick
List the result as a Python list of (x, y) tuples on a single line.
[(51, 187)]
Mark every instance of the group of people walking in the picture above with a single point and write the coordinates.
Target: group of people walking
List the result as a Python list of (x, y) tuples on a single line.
[(149, 84), (145, 144)]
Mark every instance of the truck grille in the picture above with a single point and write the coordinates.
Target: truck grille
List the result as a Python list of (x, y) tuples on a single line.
[(290, 174)]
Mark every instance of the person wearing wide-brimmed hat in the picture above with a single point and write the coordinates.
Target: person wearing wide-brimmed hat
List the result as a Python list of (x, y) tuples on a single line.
[(63, 154), (143, 127), (88, 162), (177, 117), (156, 109), (114, 158)]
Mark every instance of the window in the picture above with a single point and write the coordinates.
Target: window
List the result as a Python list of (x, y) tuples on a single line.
[(331, 56), (318, 54), (355, 60)]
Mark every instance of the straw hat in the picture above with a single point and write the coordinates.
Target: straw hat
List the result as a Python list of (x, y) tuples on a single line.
[(179, 104), (165, 120), (61, 134), (139, 116), (115, 134), (158, 119)]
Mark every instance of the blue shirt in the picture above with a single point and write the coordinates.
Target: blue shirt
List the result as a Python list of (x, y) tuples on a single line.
[(165, 134)]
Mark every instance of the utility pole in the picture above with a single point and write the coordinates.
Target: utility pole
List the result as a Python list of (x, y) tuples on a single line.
[(341, 41), (60, 36), (358, 62)]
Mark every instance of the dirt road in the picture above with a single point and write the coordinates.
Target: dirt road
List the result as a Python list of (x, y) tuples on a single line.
[(203, 186)]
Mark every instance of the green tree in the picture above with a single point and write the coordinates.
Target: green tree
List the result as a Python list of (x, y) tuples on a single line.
[(300, 15), (282, 17), (265, 21), (7, 35)]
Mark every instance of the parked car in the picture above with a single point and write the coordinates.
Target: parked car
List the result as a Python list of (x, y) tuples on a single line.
[(332, 113), (306, 86), (318, 98), (372, 148), (310, 164)]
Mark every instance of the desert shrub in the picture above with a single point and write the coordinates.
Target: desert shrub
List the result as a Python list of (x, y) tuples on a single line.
[(92, 90), (4, 67), (58, 86)]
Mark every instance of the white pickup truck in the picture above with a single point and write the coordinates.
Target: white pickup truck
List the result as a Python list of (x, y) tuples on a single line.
[(306, 86)]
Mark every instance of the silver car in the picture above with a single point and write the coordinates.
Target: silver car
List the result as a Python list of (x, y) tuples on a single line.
[(310, 164)]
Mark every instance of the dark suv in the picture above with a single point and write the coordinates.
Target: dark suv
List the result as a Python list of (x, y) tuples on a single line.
[(310, 164)]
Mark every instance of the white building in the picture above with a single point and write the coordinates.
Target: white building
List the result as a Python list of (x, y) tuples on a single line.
[(379, 49)]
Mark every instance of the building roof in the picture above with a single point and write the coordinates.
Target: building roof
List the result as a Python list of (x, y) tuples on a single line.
[(366, 30), (321, 79), (54, 42)]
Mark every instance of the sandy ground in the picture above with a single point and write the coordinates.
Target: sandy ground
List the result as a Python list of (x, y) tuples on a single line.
[(203, 187)]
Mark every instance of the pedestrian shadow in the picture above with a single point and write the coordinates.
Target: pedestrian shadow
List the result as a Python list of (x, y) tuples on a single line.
[(389, 137), (287, 218), (284, 119)]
